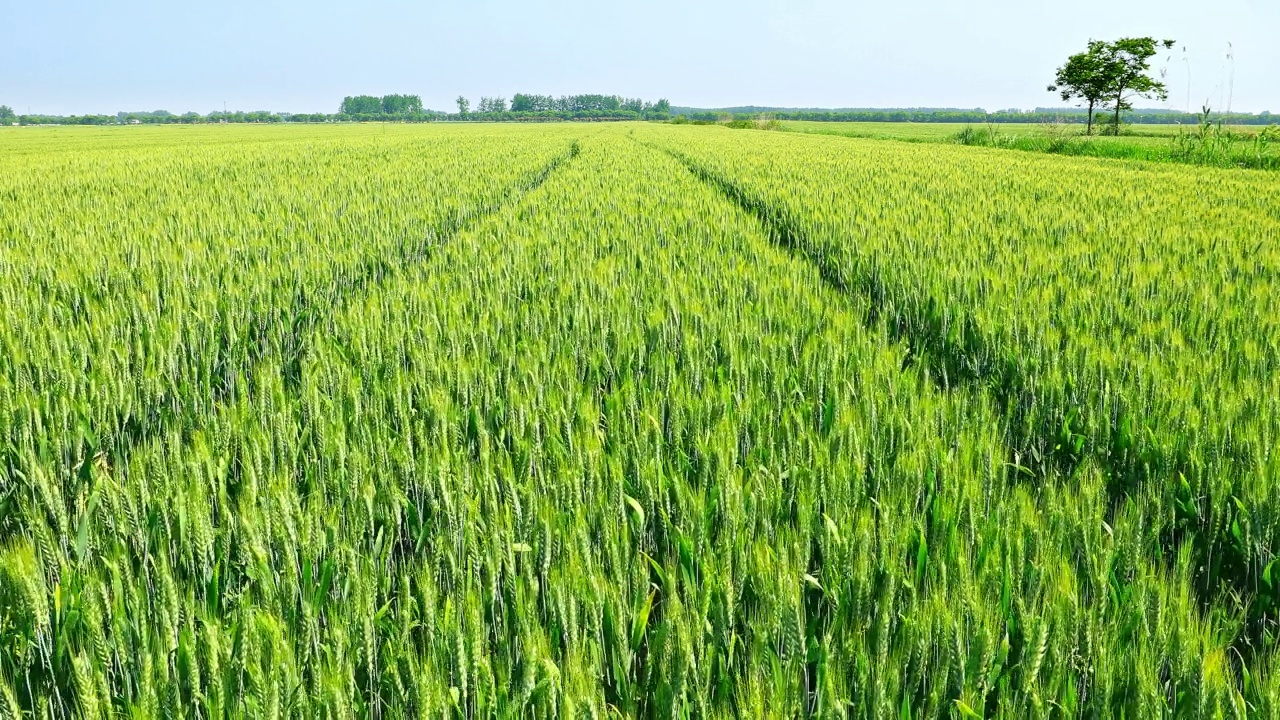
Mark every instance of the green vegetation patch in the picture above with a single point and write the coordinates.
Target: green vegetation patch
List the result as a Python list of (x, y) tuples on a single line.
[(631, 420)]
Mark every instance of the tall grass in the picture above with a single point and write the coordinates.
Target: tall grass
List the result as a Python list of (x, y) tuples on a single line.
[(1213, 144), (1210, 144)]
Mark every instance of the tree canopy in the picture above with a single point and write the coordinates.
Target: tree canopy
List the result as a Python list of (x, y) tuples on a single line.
[(385, 105), (360, 104), (1127, 61), (1083, 78), (401, 104), (1111, 72)]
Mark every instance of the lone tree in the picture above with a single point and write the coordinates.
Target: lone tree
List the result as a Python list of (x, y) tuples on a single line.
[(6, 113), (464, 106), (1083, 79), (1111, 72), (1128, 61)]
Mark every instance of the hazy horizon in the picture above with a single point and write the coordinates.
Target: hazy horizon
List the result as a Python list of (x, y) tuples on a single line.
[(67, 57)]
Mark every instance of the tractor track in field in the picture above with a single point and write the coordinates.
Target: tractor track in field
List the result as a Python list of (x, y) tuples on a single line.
[(309, 312), (377, 270), (1041, 453)]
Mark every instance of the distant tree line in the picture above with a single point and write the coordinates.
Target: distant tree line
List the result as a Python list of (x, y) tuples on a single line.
[(164, 117), (1039, 115), (391, 108), (586, 103), (660, 110), (566, 107)]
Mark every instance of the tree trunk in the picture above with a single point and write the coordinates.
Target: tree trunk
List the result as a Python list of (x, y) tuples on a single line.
[(1089, 129), (1119, 99)]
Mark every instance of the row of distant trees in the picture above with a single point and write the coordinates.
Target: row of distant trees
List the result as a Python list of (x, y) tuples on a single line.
[(390, 108), (565, 106), (926, 115), (521, 106), (162, 117), (1040, 115)]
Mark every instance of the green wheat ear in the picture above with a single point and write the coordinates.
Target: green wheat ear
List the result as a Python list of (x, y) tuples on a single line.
[(24, 608)]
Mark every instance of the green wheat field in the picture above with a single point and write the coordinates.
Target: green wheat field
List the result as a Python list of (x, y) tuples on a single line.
[(632, 420)]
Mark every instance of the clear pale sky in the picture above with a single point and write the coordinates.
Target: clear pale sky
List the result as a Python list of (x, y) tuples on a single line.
[(82, 56)]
